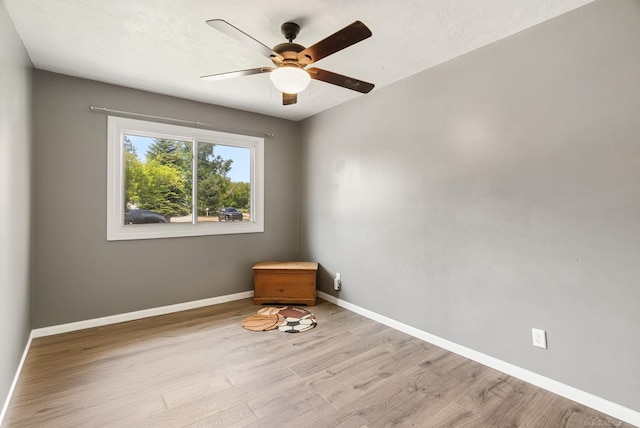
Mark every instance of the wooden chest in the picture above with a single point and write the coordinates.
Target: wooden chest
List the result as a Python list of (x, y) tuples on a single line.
[(285, 282)]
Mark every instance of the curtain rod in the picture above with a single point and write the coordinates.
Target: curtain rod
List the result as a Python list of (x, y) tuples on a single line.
[(189, 122)]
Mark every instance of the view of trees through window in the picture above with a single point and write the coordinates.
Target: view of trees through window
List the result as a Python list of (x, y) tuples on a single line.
[(159, 180)]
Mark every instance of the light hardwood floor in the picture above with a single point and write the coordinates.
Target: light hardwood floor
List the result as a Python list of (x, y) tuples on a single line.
[(199, 368)]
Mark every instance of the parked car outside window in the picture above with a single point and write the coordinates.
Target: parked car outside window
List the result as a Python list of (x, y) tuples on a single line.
[(229, 214), (143, 217)]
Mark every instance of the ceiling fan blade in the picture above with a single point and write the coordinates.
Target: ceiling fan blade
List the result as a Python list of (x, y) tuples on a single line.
[(288, 99), (242, 37), (240, 73), (349, 35), (340, 80)]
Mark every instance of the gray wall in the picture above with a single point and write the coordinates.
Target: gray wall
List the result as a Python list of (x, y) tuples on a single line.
[(496, 193), (78, 275), (15, 199)]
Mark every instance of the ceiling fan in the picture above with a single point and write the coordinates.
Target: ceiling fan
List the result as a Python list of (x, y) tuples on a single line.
[(290, 59)]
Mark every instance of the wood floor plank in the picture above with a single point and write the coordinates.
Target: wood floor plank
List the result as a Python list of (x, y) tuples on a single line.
[(456, 416), (200, 368), (194, 387), (239, 415), (369, 370)]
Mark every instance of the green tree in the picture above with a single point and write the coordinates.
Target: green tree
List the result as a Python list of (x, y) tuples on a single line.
[(213, 183), (171, 152), (134, 172), (239, 195), (162, 190), (211, 193), (177, 155)]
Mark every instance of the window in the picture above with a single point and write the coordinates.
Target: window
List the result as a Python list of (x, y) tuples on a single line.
[(168, 181)]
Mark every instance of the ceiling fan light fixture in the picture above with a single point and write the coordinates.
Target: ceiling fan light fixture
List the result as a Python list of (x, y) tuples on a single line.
[(290, 78)]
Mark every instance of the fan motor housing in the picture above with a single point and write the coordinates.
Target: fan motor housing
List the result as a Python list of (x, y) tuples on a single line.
[(288, 50)]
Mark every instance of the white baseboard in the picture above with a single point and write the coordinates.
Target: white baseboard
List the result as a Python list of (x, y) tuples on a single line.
[(600, 404), (15, 379), (130, 316)]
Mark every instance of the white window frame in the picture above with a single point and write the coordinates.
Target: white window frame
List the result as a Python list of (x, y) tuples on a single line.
[(118, 127)]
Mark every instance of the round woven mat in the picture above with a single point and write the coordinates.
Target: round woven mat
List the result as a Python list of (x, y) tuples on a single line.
[(289, 319), (297, 325), (263, 322)]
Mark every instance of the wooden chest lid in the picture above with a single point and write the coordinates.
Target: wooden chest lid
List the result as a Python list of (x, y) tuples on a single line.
[(287, 265)]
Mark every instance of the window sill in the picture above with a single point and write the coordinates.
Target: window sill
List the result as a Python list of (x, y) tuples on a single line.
[(153, 231)]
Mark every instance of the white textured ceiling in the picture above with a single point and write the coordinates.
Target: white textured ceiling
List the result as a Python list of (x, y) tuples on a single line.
[(165, 46)]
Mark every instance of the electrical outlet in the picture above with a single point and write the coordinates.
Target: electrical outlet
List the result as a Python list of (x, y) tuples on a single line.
[(539, 338), (337, 282)]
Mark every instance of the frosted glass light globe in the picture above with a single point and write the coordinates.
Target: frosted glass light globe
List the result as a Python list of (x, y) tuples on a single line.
[(290, 79)]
